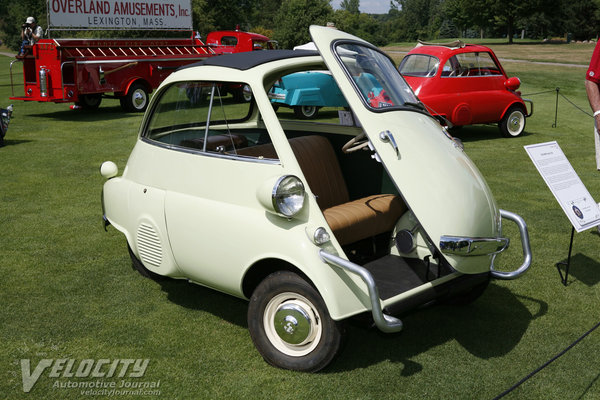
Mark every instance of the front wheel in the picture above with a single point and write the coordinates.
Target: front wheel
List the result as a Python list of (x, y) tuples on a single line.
[(513, 123), (290, 325)]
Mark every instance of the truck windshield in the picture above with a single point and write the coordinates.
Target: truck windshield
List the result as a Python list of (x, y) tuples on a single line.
[(375, 77)]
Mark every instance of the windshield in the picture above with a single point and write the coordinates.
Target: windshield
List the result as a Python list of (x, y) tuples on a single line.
[(374, 76)]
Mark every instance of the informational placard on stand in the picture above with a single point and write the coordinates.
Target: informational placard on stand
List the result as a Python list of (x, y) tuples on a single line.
[(565, 185)]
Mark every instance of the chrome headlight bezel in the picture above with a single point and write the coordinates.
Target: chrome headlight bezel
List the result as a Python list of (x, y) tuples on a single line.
[(288, 196)]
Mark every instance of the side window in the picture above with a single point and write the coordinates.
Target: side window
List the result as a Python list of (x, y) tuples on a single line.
[(228, 41), (207, 117)]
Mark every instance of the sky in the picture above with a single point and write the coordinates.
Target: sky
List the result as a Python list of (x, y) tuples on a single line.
[(368, 6)]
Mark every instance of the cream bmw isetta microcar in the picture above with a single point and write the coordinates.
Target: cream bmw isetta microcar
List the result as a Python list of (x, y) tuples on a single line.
[(371, 209)]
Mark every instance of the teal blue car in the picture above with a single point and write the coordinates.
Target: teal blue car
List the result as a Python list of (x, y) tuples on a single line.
[(306, 93)]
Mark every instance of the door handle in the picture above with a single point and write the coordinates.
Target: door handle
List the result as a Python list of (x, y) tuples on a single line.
[(387, 137)]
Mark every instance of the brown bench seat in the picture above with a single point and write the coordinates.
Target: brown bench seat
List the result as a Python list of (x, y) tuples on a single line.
[(215, 142), (350, 221), (369, 216)]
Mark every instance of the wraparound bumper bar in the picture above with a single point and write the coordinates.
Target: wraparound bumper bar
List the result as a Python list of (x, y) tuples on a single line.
[(465, 246), (524, 242)]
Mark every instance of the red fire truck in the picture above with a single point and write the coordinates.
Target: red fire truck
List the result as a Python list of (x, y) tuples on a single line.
[(83, 71), (223, 42)]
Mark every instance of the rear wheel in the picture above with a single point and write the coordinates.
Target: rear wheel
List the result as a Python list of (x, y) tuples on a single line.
[(90, 101), (290, 325), (136, 99), (306, 112), (513, 123), (243, 94)]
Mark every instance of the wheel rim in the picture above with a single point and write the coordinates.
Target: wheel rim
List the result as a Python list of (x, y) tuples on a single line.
[(247, 93), (309, 111), (292, 324), (139, 98), (515, 123)]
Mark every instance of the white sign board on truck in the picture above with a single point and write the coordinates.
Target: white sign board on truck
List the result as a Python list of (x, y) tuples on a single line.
[(120, 14)]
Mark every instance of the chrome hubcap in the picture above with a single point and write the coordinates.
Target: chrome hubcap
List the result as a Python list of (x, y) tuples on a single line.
[(139, 99), (292, 324), (515, 123), (308, 110)]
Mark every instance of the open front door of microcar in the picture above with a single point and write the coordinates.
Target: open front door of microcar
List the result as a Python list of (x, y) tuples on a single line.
[(440, 184)]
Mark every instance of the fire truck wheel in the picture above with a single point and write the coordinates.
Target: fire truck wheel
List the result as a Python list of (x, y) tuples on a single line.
[(90, 101), (136, 99)]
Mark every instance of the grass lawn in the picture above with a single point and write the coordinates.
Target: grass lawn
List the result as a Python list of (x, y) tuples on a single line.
[(69, 292)]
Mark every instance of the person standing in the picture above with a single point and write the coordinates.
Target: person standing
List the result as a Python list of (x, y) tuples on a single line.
[(30, 34), (592, 88)]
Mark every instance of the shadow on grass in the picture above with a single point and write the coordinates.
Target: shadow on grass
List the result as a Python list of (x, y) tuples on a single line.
[(583, 268), (480, 328), (474, 133), (198, 297), (100, 114)]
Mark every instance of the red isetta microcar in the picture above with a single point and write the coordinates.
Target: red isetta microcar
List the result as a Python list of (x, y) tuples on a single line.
[(465, 84)]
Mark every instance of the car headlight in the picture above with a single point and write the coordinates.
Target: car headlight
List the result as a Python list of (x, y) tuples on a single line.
[(288, 196)]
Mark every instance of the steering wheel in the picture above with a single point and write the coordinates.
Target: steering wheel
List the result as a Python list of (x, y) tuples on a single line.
[(358, 142)]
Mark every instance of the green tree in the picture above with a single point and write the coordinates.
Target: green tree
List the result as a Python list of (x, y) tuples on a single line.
[(362, 25), (352, 6), (13, 15), (507, 13), (221, 15), (417, 19), (583, 19), (294, 17), (264, 13)]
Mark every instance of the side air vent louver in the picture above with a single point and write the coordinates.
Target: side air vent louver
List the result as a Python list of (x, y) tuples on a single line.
[(149, 246)]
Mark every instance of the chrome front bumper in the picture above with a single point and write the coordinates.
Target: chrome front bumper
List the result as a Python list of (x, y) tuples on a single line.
[(524, 243), (465, 246)]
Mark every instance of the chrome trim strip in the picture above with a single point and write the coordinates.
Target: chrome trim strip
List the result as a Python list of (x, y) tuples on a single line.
[(62, 77), (199, 152), (530, 102), (385, 323), (146, 59), (12, 86), (526, 248), (465, 246)]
